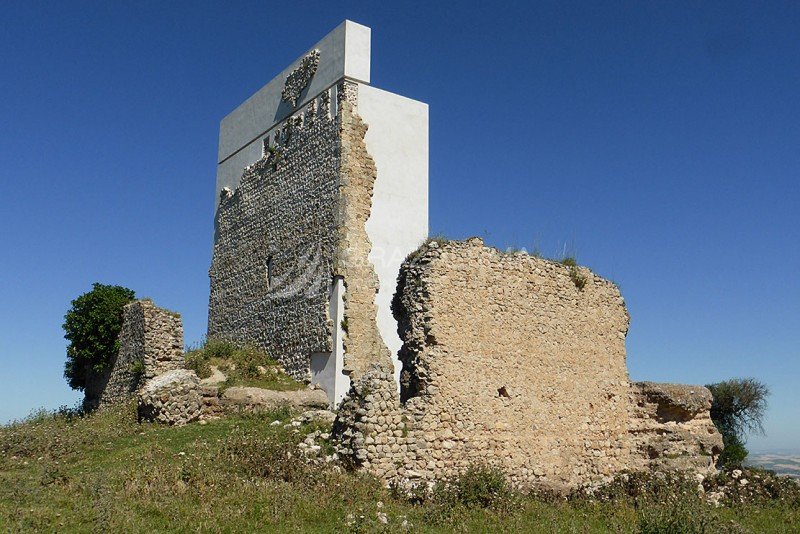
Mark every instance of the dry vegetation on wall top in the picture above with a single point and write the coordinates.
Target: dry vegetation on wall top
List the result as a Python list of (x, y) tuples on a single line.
[(577, 273), (245, 473)]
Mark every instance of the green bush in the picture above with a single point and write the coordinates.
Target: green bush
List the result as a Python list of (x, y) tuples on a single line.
[(92, 327), (734, 451), (737, 408), (478, 488), (482, 487)]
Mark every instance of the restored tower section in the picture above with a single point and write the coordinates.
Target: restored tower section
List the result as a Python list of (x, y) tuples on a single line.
[(322, 191)]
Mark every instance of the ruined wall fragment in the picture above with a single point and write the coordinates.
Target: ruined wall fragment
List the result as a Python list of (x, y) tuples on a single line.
[(151, 343), (505, 361), (508, 360), (363, 344), (275, 240), (171, 398), (671, 428)]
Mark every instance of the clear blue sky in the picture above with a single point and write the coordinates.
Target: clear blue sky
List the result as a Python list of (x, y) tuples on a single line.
[(658, 140)]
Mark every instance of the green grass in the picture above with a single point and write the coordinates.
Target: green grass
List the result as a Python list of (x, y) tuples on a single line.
[(108, 473), (242, 366), (276, 382)]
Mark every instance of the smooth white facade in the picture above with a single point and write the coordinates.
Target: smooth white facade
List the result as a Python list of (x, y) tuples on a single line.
[(397, 140), (344, 53), (326, 369)]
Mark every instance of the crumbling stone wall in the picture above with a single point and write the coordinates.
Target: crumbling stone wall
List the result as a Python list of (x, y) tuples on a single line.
[(172, 398), (671, 428), (295, 222), (151, 343), (274, 245), (510, 360), (363, 344)]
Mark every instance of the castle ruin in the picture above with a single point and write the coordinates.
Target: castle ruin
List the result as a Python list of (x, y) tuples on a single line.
[(322, 191), (436, 355)]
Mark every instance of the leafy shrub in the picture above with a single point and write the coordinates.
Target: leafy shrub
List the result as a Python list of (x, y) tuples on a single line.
[(92, 327), (733, 453), (482, 487), (737, 408)]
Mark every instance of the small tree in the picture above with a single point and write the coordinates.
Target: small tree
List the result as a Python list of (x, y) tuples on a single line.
[(738, 409), (92, 326)]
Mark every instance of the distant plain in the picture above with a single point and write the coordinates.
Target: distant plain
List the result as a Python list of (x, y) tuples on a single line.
[(782, 462)]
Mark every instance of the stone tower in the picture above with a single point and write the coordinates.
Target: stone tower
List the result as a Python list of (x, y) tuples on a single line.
[(322, 191)]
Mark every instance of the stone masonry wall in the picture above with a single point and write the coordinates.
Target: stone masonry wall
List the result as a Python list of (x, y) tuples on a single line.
[(508, 359), (151, 343), (274, 245), (172, 398), (294, 223), (363, 344), (671, 428)]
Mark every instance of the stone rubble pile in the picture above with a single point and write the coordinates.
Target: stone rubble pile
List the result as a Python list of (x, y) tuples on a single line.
[(171, 398)]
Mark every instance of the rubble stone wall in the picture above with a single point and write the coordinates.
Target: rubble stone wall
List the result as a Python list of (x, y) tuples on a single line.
[(671, 428), (363, 344), (274, 243), (509, 360), (295, 222), (151, 343), (172, 398)]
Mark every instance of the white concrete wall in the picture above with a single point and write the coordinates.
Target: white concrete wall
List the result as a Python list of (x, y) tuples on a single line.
[(344, 53), (397, 139), (326, 369)]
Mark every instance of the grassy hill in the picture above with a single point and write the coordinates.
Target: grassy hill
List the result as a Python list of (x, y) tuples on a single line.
[(106, 472)]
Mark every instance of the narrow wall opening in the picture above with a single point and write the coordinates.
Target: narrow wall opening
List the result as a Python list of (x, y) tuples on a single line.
[(270, 271)]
